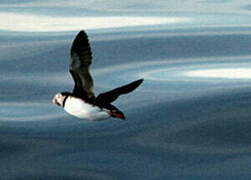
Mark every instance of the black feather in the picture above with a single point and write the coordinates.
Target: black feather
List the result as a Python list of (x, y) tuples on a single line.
[(110, 96)]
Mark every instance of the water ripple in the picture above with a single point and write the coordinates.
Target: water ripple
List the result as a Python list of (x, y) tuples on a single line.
[(201, 73), (27, 112)]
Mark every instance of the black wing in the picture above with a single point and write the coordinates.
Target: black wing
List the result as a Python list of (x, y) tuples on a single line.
[(106, 98), (81, 59)]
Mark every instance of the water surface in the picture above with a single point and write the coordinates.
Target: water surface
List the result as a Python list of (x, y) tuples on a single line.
[(189, 120)]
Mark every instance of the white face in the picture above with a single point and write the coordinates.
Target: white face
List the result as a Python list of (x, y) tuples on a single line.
[(58, 99)]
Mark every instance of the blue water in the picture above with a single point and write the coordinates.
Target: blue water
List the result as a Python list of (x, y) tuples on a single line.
[(190, 120)]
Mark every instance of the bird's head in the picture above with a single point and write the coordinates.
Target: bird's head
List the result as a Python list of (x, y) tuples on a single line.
[(59, 98)]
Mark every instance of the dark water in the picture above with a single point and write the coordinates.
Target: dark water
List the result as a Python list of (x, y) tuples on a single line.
[(190, 120)]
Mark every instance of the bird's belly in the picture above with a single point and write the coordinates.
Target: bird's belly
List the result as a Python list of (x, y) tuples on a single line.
[(82, 110)]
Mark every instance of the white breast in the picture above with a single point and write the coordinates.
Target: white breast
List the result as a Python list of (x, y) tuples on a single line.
[(77, 107)]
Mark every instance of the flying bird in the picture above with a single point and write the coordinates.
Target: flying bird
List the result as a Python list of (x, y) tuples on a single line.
[(82, 102)]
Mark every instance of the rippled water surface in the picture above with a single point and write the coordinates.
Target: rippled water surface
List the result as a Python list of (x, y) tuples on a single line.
[(190, 119)]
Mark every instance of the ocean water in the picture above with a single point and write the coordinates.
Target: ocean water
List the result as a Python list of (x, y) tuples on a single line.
[(189, 120)]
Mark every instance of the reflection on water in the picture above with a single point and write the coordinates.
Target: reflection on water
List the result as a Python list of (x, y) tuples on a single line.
[(190, 119), (226, 73), (31, 23), (27, 112)]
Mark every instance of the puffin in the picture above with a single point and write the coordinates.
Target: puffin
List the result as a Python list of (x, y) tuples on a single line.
[(82, 102)]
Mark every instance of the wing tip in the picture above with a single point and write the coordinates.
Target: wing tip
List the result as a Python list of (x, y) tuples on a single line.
[(139, 81), (82, 32), (82, 35), (81, 43)]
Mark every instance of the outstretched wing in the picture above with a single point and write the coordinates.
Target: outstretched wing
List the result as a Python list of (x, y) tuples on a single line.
[(106, 98), (81, 59)]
